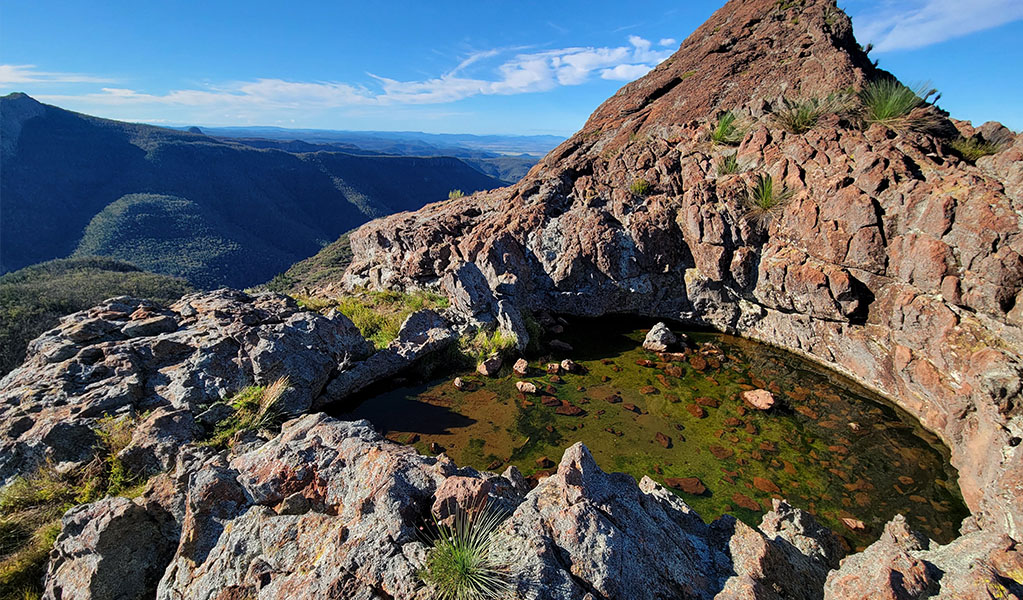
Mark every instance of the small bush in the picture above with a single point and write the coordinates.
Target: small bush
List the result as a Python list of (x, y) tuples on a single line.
[(890, 103), (764, 200), (640, 187), (970, 149), (728, 164), (255, 410), (461, 564), (727, 131), (455, 194)]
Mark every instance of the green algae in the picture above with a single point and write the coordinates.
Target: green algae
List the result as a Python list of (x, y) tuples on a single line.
[(828, 446)]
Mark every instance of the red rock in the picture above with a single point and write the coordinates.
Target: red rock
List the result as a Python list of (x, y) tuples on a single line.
[(696, 410), (721, 453), (570, 410), (698, 362), (663, 440), (689, 485), (766, 485), (853, 524), (550, 401), (705, 401), (631, 407), (648, 389), (745, 501)]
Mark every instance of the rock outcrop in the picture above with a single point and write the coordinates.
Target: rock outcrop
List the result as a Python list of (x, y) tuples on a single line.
[(330, 509), (894, 261), (171, 368)]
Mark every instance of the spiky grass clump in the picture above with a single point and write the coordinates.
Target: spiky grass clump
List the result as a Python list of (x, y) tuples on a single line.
[(970, 149), (486, 344), (800, 116), (461, 564), (728, 130), (890, 103), (455, 194), (728, 165), (640, 187), (255, 409), (764, 200)]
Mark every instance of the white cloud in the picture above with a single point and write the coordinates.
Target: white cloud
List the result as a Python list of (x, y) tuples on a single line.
[(480, 73), (624, 72), (667, 42), (908, 24), (19, 74)]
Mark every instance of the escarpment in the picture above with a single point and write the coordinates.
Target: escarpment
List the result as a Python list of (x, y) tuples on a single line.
[(893, 260)]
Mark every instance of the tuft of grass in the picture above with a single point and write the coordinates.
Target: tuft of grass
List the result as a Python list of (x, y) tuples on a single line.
[(764, 201), (255, 410), (640, 187), (32, 505), (485, 344), (890, 103), (800, 116), (728, 130), (970, 149), (728, 164), (378, 315), (461, 565), (455, 194)]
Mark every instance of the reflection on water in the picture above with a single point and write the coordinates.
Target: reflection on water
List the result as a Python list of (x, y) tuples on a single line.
[(828, 445)]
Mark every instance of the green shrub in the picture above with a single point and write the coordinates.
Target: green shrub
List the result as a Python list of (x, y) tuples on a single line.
[(728, 131), (455, 194), (378, 315), (764, 201), (970, 149), (33, 299), (461, 565), (728, 164), (890, 103), (640, 187)]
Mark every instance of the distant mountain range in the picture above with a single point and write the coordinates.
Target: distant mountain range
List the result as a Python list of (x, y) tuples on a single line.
[(211, 210), (507, 158)]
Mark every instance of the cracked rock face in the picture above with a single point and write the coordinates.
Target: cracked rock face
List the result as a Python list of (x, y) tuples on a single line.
[(330, 509), (893, 261), (131, 357)]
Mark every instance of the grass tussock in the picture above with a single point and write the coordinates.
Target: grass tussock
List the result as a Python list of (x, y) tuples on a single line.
[(378, 315), (640, 187), (971, 149), (800, 116), (765, 200), (255, 409), (892, 104), (728, 131), (486, 344), (32, 505), (728, 165), (455, 194), (461, 564)]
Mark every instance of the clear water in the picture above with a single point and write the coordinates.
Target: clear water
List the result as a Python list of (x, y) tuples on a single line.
[(828, 446)]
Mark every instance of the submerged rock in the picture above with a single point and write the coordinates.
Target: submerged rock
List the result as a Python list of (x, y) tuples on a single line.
[(489, 367), (526, 387), (758, 399), (689, 485)]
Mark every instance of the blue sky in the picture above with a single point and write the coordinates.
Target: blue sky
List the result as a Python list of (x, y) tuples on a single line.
[(522, 67)]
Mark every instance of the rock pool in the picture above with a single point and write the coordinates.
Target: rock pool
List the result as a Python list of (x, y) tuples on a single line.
[(828, 445)]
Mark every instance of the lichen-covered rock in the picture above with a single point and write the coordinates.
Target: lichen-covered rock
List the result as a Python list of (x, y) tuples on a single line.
[(112, 360), (903, 564), (108, 549)]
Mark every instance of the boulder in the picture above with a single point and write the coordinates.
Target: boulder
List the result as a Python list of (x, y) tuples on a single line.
[(489, 367), (526, 387), (689, 485), (659, 338), (521, 367)]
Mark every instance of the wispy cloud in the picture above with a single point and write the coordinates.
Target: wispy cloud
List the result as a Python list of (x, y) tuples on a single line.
[(908, 24), (489, 72), (20, 74)]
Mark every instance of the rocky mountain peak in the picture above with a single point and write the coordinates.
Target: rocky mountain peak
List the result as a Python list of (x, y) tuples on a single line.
[(748, 52)]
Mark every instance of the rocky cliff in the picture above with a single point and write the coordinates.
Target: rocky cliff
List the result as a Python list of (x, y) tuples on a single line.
[(893, 260)]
